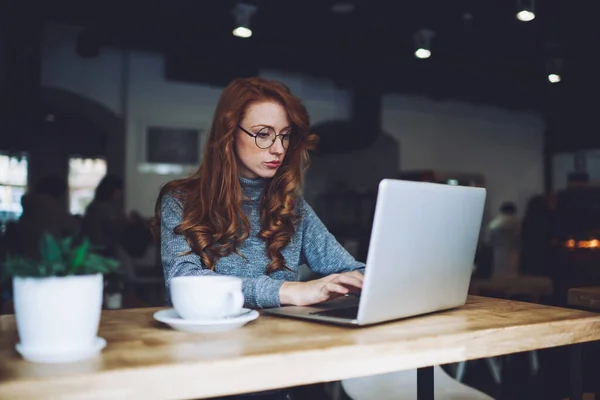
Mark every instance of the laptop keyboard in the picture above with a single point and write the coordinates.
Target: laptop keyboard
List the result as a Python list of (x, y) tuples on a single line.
[(345, 312)]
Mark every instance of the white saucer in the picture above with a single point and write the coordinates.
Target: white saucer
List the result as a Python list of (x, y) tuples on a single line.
[(51, 357), (171, 318)]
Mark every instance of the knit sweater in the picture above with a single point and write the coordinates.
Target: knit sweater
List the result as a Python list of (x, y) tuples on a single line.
[(312, 244)]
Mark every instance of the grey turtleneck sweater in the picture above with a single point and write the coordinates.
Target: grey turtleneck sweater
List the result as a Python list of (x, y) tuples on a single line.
[(312, 244)]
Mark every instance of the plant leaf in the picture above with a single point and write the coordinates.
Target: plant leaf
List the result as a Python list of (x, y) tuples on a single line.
[(80, 253), (49, 249), (59, 258), (66, 244)]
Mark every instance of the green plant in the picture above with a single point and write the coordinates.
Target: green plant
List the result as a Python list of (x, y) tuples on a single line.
[(60, 257)]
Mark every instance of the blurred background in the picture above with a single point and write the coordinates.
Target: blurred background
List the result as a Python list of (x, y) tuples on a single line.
[(500, 94)]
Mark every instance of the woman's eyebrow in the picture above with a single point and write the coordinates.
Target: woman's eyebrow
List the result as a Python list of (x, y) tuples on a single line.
[(270, 126), (263, 126)]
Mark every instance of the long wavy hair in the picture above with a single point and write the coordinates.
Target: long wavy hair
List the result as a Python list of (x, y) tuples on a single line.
[(213, 222)]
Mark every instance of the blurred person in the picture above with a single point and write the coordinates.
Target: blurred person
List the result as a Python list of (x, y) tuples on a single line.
[(44, 210), (108, 226), (503, 234), (537, 233)]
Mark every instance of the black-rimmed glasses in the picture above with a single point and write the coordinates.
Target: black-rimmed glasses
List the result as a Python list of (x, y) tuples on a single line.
[(267, 136)]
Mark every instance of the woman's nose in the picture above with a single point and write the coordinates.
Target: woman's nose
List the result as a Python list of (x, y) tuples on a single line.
[(277, 147)]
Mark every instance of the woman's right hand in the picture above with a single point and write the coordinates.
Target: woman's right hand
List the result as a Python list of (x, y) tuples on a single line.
[(320, 290)]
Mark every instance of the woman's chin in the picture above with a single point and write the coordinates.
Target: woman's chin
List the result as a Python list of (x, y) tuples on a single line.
[(266, 173)]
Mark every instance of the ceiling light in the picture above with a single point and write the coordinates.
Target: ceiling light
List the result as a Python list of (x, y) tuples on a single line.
[(525, 10), (554, 70), (525, 15), (242, 32), (242, 12), (422, 53), (554, 78), (422, 40)]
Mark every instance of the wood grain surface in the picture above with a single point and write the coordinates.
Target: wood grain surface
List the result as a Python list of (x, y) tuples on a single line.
[(588, 297), (145, 359)]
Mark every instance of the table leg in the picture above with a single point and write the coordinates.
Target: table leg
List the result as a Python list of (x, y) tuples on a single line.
[(425, 383), (576, 370)]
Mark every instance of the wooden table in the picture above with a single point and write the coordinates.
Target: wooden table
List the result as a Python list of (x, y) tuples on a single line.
[(586, 297), (147, 360)]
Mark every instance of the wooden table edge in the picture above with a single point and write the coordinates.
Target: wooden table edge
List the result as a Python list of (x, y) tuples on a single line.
[(335, 363)]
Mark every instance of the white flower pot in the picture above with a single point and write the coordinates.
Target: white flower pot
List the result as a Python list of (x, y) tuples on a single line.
[(58, 317)]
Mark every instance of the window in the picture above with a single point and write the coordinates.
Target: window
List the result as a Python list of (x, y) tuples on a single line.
[(84, 175), (13, 184)]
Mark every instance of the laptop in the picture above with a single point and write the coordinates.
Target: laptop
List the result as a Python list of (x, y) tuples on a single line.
[(420, 256)]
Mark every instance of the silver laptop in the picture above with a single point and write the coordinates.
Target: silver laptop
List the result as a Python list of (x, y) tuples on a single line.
[(420, 256)]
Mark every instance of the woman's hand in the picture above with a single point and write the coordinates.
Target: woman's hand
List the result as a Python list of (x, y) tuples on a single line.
[(320, 290)]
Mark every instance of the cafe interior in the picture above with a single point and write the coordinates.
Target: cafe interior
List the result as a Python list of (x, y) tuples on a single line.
[(494, 94)]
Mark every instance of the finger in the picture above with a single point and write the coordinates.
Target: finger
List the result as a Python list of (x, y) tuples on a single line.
[(330, 278), (354, 290), (357, 274), (354, 275), (336, 288), (350, 280), (333, 296)]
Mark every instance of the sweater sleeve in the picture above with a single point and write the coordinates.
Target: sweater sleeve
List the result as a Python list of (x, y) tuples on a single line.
[(322, 252), (261, 292)]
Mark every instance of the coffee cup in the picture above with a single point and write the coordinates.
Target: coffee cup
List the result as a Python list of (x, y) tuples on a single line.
[(207, 297)]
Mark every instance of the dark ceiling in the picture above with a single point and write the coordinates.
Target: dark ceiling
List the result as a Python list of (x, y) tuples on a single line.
[(481, 52), (479, 45)]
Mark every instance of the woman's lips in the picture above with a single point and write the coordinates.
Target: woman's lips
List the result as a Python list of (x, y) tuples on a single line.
[(273, 164)]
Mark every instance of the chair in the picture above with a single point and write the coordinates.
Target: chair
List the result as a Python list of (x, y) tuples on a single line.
[(402, 385), (144, 272), (510, 286)]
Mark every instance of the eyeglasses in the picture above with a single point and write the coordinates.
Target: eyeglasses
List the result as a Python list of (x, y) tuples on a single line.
[(266, 137)]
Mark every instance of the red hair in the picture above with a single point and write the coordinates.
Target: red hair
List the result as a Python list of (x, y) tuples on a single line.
[(213, 222)]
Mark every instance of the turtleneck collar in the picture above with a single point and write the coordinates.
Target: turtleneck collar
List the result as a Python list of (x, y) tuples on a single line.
[(253, 188)]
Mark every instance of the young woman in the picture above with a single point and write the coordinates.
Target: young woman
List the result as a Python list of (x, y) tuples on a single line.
[(241, 213)]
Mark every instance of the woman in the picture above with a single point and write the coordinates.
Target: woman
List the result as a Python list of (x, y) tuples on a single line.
[(241, 212)]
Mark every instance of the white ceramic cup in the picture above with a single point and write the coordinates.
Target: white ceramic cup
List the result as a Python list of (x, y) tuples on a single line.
[(207, 297)]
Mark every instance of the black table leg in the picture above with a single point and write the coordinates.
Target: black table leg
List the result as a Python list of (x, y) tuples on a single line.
[(576, 370), (425, 383)]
